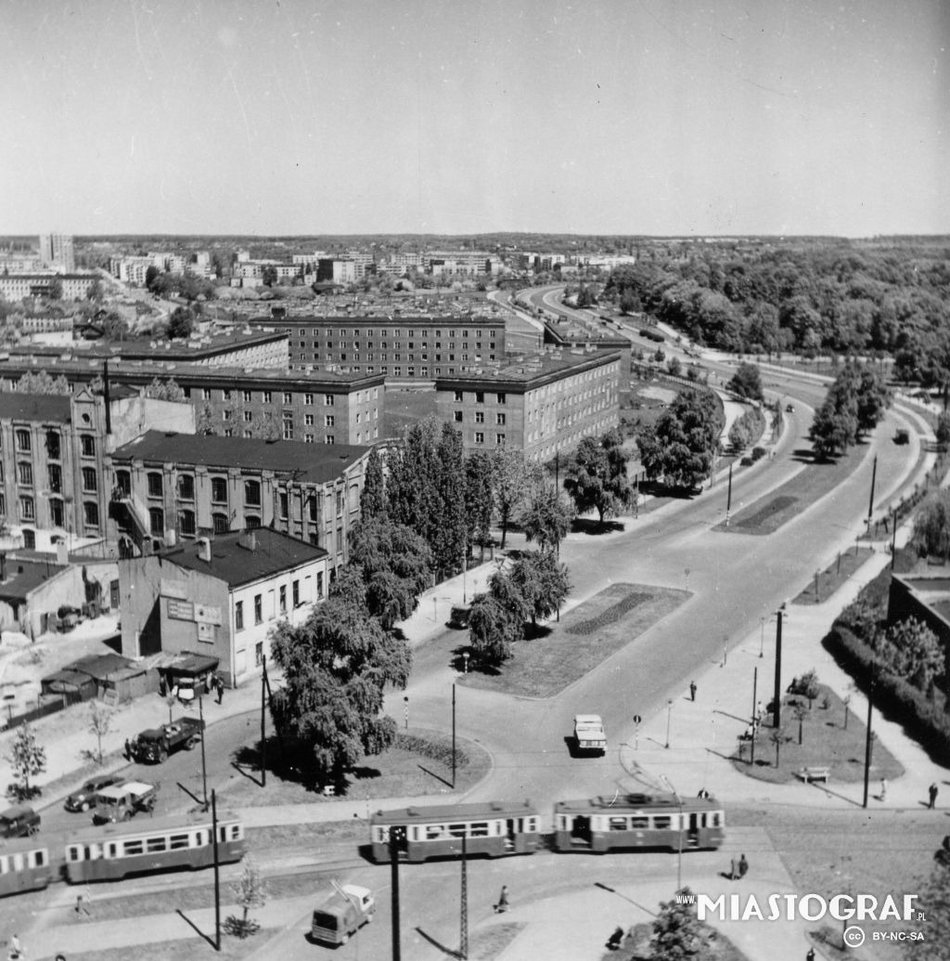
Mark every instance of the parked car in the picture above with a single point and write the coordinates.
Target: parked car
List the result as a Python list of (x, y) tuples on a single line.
[(902, 436), (85, 797), (19, 822), (589, 734), (789, 408), (342, 913)]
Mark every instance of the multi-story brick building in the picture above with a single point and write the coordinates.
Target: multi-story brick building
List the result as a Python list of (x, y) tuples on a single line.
[(168, 487), (413, 348), (73, 286), (54, 453), (541, 405), (317, 407)]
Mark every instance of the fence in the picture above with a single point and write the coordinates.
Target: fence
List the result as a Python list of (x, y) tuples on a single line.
[(62, 701)]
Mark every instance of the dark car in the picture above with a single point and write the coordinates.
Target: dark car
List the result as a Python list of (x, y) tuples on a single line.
[(19, 822), (85, 797)]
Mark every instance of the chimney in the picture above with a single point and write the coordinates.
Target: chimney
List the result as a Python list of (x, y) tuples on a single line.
[(105, 394), (248, 540), (62, 553), (204, 549)]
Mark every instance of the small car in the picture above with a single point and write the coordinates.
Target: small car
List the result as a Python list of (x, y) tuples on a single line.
[(19, 822), (85, 797), (789, 408)]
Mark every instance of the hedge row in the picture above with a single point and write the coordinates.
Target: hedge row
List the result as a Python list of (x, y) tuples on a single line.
[(924, 720), (436, 750)]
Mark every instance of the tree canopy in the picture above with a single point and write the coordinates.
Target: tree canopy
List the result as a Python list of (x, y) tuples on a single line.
[(545, 516), (542, 581), (855, 403), (746, 382), (597, 475), (42, 383), (931, 536)]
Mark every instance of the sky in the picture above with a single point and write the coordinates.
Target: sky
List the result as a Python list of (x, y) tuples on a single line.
[(648, 117)]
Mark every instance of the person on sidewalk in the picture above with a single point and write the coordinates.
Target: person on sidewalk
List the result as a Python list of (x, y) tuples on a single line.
[(502, 906), (82, 904), (692, 690), (883, 788), (16, 949), (220, 687), (743, 867), (933, 790), (732, 869)]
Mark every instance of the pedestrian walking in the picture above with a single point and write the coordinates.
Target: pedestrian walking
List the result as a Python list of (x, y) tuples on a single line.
[(502, 906), (128, 749), (811, 955), (692, 690), (933, 790), (732, 870), (16, 949), (883, 788), (82, 904), (743, 867), (220, 686)]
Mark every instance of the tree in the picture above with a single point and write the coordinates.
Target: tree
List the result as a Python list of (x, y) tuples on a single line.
[(931, 537), (911, 650), (165, 390), (269, 275), (778, 737), (679, 450), (509, 473), (100, 724), (834, 428), (674, 366), (542, 581), (336, 668), (677, 933), (934, 894), (943, 428), (497, 620), (479, 499), (746, 382), (249, 892), (545, 517), (42, 383), (180, 324), (152, 275), (28, 759), (205, 421), (597, 475), (800, 712), (450, 543), (56, 288), (373, 497)]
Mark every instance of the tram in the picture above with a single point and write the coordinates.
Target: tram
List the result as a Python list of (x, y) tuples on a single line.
[(592, 825), (627, 821), (493, 829), (24, 866), (161, 844)]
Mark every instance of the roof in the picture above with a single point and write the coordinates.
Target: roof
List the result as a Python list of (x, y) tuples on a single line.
[(434, 813), (191, 665), (233, 559), (308, 463), (35, 407), (66, 680), (17, 588), (528, 372), (100, 666)]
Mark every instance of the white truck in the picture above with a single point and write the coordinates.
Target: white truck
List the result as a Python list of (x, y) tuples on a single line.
[(589, 734), (122, 801), (342, 913)]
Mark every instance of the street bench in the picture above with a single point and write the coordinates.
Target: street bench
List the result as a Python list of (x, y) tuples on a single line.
[(814, 773)]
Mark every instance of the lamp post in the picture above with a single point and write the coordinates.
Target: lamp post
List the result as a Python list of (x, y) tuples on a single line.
[(405, 701), (669, 714)]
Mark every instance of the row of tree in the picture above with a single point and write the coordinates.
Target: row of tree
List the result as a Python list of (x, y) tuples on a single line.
[(855, 403)]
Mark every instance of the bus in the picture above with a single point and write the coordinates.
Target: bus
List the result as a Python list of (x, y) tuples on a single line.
[(24, 866), (161, 844), (603, 824), (491, 829)]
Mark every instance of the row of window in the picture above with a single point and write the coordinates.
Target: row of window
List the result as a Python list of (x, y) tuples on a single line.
[(281, 603), (23, 442), (480, 418), (480, 397), (344, 358), (57, 511), (384, 345), (267, 396), (394, 332), (54, 475)]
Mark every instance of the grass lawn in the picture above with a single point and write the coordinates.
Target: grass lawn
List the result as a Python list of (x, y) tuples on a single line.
[(834, 575), (586, 635), (405, 407), (231, 950), (420, 762), (825, 743), (768, 514)]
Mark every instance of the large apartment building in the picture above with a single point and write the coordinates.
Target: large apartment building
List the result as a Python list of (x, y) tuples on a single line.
[(168, 487), (541, 405)]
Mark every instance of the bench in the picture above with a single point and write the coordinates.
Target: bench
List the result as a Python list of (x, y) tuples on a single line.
[(809, 774)]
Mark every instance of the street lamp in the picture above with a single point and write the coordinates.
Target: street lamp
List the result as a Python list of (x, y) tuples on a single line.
[(669, 714)]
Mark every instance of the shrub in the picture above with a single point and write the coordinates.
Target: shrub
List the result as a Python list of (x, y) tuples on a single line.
[(758, 453)]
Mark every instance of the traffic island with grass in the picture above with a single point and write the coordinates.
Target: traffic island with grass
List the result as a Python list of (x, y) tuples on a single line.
[(824, 584), (816, 733)]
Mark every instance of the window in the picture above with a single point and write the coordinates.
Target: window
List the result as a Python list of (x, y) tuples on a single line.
[(479, 417), (186, 487), (339, 503), (329, 439), (206, 393), (308, 420), (53, 445), (239, 615), (29, 539), (252, 492), (288, 397), (219, 523), (258, 661), (502, 398), (308, 438), (308, 399), (24, 441), (186, 523), (258, 609), (282, 599), (246, 396), (89, 479), (155, 484), (500, 419), (87, 444), (479, 437), (226, 415), (123, 482), (156, 521), (56, 514), (252, 522), (295, 593), (479, 396), (219, 490), (24, 474), (328, 400), (268, 397), (226, 394), (284, 504), (248, 417), (27, 508), (319, 583), (458, 417)]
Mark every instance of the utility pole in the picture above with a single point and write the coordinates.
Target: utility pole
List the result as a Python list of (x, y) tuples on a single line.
[(867, 743), (729, 496), (777, 705), (894, 540), (263, 710), (397, 835), (217, 874), (755, 690), (204, 763), (453, 735), (871, 501), (463, 906)]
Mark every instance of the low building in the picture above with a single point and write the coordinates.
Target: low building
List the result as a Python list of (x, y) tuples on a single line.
[(219, 598), (541, 405), (172, 487), (71, 286)]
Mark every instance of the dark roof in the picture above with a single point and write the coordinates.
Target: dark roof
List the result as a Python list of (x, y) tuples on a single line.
[(100, 666), (17, 588), (188, 664), (308, 463), (33, 407), (529, 373), (237, 564)]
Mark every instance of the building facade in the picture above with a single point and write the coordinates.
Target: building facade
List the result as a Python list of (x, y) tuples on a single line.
[(72, 286), (541, 405), (219, 599), (170, 488)]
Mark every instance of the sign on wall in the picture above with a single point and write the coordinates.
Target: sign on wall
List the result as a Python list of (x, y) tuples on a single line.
[(204, 614), (181, 610)]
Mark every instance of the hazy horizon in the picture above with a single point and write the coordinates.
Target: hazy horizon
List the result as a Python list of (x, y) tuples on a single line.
[(660, 118)]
